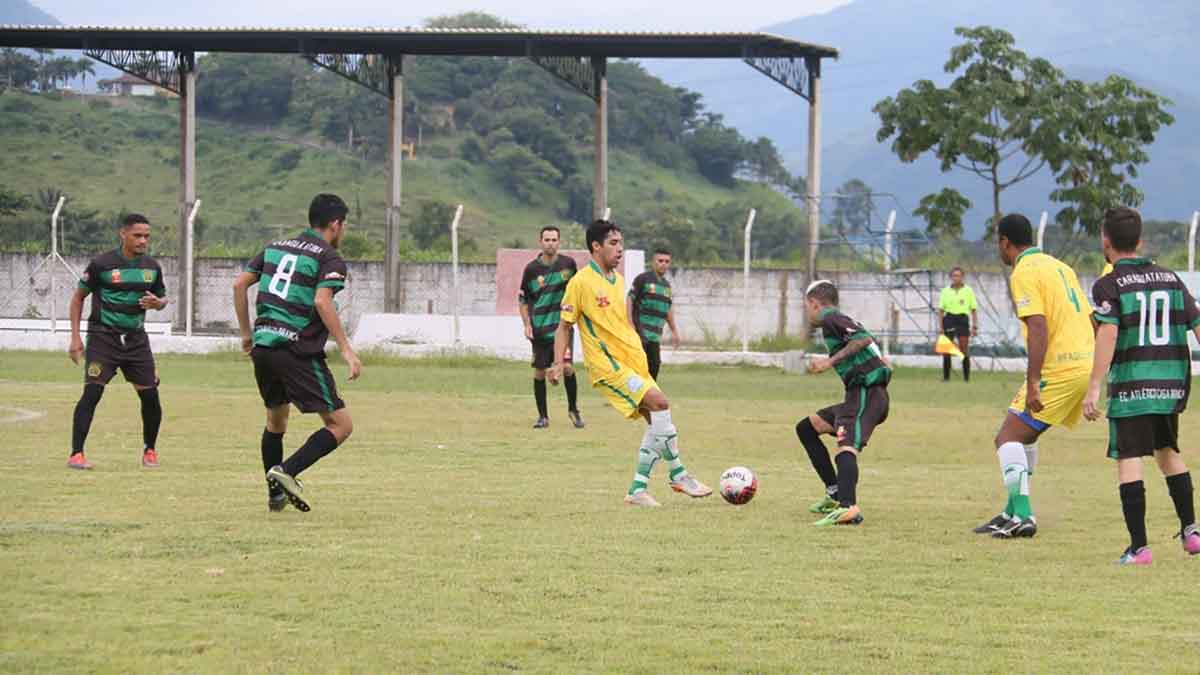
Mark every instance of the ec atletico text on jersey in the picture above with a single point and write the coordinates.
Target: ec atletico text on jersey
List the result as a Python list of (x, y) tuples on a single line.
[(290, 272), (865, 368), (651, 304), (119, 284), (542, 288), (1154, 312)]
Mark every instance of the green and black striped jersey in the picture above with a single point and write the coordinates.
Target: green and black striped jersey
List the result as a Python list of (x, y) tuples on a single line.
[(290, 272), (865, 368), (542, 288), (651, 296), (118, 283), (1151, 372)]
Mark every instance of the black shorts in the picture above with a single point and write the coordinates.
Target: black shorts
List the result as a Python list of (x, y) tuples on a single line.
[(1140, 436), (956, 325), (107, 352), (653, 356), (854, 419), (543, 354), (305, 382)]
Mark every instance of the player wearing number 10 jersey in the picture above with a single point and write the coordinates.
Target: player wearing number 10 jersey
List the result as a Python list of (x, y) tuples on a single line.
[(1057, 324), (297, 279), (1144, 313)]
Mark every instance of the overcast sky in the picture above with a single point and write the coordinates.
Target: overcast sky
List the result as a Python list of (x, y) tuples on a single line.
[(687, 15)]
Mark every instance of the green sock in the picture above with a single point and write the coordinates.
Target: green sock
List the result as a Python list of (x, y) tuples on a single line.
[(1016, 479), (646, 460)]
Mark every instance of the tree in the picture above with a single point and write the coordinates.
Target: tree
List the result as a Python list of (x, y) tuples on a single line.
[(999, 113), (19, 69), (852, 208), (84, 67), (1113, 122), (524, 173), (12, 202), (943, 213), (431, 223), (718, 150)]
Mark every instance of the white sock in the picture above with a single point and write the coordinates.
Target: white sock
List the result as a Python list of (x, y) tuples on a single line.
[(1031, 456), (1014, 467), (666, 438)]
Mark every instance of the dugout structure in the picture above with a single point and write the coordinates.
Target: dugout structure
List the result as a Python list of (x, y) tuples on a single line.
[(373, 58)]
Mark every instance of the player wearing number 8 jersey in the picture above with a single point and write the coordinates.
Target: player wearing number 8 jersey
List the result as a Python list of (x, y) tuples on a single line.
[(1056, 322), (1144, 313), (297, 279)]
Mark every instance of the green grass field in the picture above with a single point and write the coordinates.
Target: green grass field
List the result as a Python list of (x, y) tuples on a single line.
[(447, 536)]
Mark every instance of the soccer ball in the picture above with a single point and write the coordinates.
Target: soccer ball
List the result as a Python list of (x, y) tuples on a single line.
[(738, 485)]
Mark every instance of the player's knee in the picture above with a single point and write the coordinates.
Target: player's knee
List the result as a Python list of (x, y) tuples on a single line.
[(149, 397), (539, 374), (805, 429), (91, 394)]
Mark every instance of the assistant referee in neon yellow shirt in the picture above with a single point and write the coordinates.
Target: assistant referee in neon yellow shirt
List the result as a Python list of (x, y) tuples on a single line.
[(956, 309)]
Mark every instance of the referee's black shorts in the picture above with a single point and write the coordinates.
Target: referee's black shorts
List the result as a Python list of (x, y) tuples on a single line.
[(283, 377), (956, 325)]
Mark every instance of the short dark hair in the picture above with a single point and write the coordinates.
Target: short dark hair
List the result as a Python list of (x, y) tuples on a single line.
[(956, 268), (1123, 226), (823, 291), (1016, 228), (599, 230), (326, 208), (549, 228), (662, 250), (134, 219)]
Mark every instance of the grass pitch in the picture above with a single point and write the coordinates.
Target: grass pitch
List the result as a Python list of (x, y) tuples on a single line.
[(448, 536)]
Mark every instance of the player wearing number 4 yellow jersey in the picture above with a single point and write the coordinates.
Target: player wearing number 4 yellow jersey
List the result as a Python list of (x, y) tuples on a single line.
[(612, 350), (1057, 325)]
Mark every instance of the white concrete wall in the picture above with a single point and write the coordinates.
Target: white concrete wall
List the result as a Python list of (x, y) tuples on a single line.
[(706, 300)]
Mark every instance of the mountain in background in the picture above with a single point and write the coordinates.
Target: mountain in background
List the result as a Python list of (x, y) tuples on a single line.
[(25, 13), (886, 45)]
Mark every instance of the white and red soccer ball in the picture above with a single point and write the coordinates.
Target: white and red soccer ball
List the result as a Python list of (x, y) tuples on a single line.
[(738, 485)]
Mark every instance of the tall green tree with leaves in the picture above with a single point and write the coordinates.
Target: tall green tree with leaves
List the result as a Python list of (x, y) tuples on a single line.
[(943, 213), (852, 208), (997, 120)]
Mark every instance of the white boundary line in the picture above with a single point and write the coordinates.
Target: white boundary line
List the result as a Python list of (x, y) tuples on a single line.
[(19, 415)]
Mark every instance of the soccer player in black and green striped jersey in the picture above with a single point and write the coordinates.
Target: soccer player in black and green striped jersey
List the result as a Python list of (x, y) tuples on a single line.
[(1144, 314), (123, 283), (297, 279), (649, 306), (540, 298), (854, 354)]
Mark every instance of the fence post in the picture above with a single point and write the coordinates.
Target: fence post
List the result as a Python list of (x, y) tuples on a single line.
[(746, 283), (191, 268), (454, 269), (1042, 229), (54, 255), (1192, 241)]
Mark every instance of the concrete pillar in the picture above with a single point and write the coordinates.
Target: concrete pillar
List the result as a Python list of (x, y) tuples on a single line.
[(187, 179), (600, 184), (392, 295), (814, 165)]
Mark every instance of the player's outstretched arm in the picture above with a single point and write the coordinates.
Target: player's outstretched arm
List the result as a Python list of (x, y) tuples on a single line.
[(76, 313), (328, 313), (1106, 345), (853, 347), (241, 307)]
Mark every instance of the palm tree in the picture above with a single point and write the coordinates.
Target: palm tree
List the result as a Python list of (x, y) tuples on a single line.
[(42, 53), (85, 67)]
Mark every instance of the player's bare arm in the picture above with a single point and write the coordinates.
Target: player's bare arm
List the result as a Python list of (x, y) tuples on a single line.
[(974, 323), (1106, 346), (328, 313), (75, 351), (526, 320), (674, 331), (1037, 340), (241, 307), (852, 348), (562, 340)]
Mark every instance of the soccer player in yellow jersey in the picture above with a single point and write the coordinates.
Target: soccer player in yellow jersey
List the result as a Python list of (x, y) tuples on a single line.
[(1056, 320), (612, 350)]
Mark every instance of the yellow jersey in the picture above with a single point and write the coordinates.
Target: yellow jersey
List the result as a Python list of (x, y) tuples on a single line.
[(1042, 284), (1108, 268), (597, 304)]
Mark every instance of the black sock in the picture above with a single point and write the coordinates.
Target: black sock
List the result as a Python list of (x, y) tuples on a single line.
[(272, 450), (1180, 487), (817, 454), (946, 367), (966, 369), (571, 386), (1133, 505), (84, 410), (539, 395), (151, 415), (321, 443), (847, 464)]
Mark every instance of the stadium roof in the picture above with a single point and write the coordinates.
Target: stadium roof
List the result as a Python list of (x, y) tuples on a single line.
[(441, 42)]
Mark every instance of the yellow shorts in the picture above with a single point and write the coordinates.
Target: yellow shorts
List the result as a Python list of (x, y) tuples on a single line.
[(624, 388), (1062, 399)]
